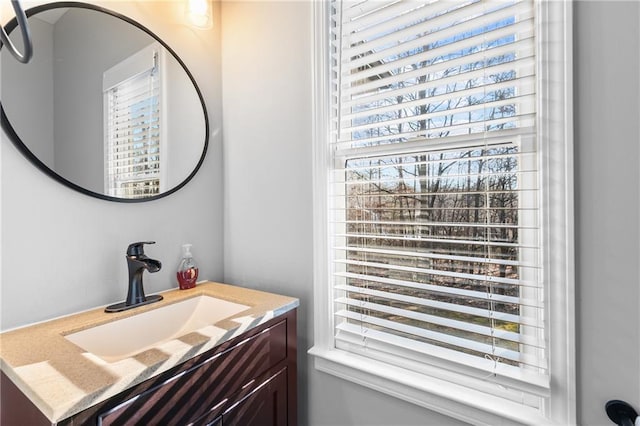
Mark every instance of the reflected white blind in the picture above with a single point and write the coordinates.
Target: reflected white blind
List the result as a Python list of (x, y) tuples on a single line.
[(133, 136), (435, 188)]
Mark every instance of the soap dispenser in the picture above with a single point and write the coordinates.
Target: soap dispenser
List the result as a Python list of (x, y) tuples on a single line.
[(187, 270)]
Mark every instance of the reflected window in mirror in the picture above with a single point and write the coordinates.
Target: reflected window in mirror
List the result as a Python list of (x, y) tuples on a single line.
[(53, 109), (134, 126)]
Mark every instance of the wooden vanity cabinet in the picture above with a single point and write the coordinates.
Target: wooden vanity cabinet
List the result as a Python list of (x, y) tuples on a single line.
[(249, 380)]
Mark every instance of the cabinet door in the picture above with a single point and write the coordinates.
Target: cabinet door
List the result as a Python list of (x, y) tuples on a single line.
[(266, 405)]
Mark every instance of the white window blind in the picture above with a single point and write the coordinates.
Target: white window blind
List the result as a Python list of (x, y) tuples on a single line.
[(435, 189), (133, 127)]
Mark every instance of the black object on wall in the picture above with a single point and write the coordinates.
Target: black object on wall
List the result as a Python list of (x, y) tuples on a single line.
[(621, 413)]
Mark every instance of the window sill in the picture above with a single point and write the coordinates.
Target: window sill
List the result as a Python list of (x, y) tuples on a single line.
[(451, 399)]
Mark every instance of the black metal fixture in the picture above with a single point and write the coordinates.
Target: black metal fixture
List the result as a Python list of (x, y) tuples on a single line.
[(21, 17), (621, 413), (137, 262)]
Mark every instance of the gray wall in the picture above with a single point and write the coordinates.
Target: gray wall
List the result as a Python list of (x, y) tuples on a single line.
[(30, 91), (268, 217), (267, 155), (607, 151), (184, 124), (62, 251)]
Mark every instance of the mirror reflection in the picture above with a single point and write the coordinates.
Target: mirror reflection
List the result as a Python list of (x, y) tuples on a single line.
[(104, 105)]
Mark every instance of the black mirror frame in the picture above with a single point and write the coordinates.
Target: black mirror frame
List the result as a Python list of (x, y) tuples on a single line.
[(11, 133)]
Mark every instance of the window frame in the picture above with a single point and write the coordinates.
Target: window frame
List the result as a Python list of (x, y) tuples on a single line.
[(125, 70), (435, 388)]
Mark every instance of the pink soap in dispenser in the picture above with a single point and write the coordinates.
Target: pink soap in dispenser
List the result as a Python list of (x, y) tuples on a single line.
[(187, 270)]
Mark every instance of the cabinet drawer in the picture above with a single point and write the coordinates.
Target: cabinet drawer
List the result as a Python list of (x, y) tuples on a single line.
[(201, 389), (262, 402), (266, 405)]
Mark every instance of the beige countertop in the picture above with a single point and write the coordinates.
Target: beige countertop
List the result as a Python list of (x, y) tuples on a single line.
[(62, 379)]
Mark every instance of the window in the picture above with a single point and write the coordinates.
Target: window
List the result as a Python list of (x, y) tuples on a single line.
[(438, 268), (134, 127)]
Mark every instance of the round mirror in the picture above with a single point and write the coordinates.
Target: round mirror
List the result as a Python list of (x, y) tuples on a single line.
[(104, 107)]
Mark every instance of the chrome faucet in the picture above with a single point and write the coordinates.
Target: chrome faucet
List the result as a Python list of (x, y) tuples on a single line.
[(137, 262)]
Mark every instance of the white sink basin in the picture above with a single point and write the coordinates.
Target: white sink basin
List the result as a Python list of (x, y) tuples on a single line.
[(129, 336)]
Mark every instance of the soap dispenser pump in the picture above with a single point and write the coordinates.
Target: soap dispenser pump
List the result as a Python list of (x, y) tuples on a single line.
[(187, 270)]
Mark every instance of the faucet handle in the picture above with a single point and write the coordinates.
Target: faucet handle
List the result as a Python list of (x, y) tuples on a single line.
[(137, 249)]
